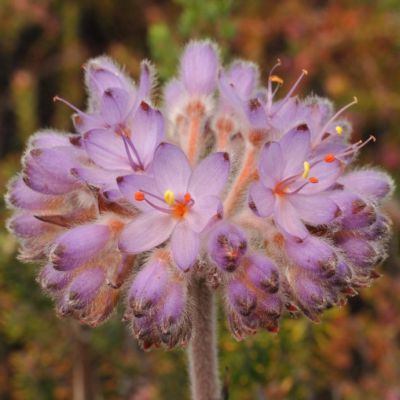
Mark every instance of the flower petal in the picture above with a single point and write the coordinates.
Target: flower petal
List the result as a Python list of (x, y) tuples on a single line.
[(210, 176), (147, 132), (271, 164), (106, 149), (370, 183), (78, 245), (114, 105), (327, 175), (295, 147), (130, 184), (199, 65), (185, 246), (204, 208), (146, 231), (316, 209), (287, 218), (171, 169), (261, 199)]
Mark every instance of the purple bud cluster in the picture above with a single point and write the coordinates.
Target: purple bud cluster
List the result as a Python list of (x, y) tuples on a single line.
[(226, 183)]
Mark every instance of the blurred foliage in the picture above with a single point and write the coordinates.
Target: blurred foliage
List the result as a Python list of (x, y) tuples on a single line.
[(349, 48)]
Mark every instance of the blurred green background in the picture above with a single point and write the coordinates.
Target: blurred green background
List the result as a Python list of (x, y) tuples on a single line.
[(349, 48)]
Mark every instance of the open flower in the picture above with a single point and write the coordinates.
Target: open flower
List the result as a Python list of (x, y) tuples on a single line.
[(293, 183), (177, 203)]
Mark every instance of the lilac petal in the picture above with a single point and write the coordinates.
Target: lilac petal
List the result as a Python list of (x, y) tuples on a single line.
[(84, 122), (327, 175), (48, 138), (356, 213), (295, 147), (22, 196), (371, 183), (230, 97), (97, 177), (271, 164), (149, 285), (261, 199), (287, 218), (316, 209), (52, 279), (102, 73), (227, 244), (27, 226), (114, 105), (240, 298), (263, 273), (185, 246), (48, 170), (210, 176), (78, 245), (106, 149), (203, 210), (146, 231), (130, 184), (359, 251), (312, 254), (173, 308), (256, 114), (174, 91), (244, 75), (199, 65), (146, 82), (148, 132), (171, 169), (85, 287)]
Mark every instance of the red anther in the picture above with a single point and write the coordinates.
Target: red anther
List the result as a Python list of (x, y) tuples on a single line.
[(139, 196), (187, 197), (314, 179), (292, 307), (329, 158)]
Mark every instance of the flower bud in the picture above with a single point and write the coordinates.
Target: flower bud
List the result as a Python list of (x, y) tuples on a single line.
[(226, 246)]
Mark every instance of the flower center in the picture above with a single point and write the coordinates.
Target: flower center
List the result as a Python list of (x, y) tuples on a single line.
[(176, 208)]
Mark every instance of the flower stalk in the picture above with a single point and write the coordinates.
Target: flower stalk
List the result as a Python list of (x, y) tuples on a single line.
[(202, 350)]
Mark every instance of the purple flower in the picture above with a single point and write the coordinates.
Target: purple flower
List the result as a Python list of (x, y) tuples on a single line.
[(199, 64), (177, 203), (227, 244), (293, 184)]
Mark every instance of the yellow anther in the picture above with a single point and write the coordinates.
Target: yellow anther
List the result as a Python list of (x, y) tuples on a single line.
[(169, 197), (339, 130), (276, 79), (306, 169)]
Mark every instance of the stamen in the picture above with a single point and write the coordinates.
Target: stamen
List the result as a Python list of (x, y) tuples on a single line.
[(314, 179), (139, 196), (132, 146), (306, 169), (291, 91), (276, 79), (67, 103), (329, 158), (339, 130), (356, 146), (187, 197), (343, 109), (128, 153), (169, 197), (272, 78)]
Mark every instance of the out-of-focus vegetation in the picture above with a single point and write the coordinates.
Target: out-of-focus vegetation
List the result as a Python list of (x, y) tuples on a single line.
[(349, 48)]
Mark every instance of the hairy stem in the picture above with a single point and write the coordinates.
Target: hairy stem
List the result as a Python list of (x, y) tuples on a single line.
[(202, 350), (242, 180), (194, 133)]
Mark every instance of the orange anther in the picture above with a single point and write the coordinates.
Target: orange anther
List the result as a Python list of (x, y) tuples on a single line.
[(139, 196), (314, 179), (329, 158), (187, 197)]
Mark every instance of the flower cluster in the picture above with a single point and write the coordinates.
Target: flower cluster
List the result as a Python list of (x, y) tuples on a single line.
[(227, 184)]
